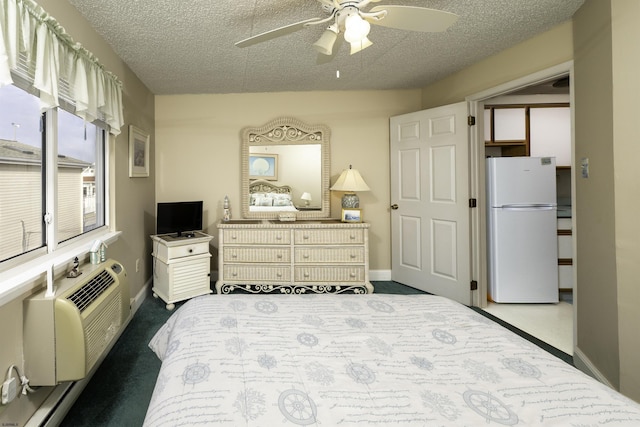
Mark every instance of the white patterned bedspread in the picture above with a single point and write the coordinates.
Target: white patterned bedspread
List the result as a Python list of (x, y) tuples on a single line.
[(363, 360)]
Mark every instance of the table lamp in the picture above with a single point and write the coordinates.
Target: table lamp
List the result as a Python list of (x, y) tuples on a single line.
[(350, 181)]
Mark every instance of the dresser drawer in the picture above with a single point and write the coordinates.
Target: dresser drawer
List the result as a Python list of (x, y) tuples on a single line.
[(168, 253), (257, 237), (251, 254), (317, 255), (329, 274), (324, 237), (257, 273)]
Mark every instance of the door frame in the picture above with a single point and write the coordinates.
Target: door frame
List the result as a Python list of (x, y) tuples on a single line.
[(477, 175)]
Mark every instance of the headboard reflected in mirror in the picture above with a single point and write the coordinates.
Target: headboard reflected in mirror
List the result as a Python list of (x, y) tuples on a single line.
[(281, 161)]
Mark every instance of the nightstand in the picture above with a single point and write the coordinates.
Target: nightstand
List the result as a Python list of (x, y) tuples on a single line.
[(181, 267)]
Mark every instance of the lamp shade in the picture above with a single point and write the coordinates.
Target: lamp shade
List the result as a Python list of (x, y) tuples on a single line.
[(360, 45), (350, 180), (306, 196), (326, 41), (356, 28)]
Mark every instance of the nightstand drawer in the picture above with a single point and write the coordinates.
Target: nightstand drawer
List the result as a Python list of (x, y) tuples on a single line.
[(168, 253), (329, 255), (324, 237), (245, 254), (329, 274), (257, 237)]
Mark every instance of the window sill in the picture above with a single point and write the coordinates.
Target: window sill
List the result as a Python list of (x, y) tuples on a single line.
[(33, 273)]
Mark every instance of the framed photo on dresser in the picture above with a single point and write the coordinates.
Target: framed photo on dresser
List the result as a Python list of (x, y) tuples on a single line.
[(351, 215)]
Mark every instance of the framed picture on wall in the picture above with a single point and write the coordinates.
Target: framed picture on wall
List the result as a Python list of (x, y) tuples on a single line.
[(263, 166), (138, 153)]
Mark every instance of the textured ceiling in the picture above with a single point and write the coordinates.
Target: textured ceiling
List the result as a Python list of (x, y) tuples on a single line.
[(187, 46)]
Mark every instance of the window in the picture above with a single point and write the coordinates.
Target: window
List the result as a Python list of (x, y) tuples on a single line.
[(80, 176), (76, 161)]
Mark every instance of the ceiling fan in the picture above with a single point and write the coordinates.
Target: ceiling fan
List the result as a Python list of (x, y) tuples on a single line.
[(349, 18)]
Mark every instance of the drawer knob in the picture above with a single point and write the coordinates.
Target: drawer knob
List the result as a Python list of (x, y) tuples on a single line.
[(353, 256), (234, 274), (352, 237), (279, 274), (234, 256), (279, 238), (306, 256), (279, 256), (306, 274), (233, 237), (353, 274), (305, 237)]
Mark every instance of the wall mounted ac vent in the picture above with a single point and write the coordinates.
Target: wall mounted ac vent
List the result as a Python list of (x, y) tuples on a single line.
[(90, 291), (65, 335)]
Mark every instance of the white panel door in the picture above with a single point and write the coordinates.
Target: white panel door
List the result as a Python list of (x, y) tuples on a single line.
[(430, 236)]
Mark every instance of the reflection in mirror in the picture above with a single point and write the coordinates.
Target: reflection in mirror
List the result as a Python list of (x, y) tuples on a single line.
[(285, 168)]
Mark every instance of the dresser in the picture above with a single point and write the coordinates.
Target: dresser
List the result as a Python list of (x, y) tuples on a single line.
[(181, 267), (320, 256)]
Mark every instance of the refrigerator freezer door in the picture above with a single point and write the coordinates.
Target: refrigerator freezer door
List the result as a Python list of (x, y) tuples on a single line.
[(523, 255), (521, 181)]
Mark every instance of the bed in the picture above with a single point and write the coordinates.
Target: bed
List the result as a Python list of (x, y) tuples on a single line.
[(363, 360), (265, 196)]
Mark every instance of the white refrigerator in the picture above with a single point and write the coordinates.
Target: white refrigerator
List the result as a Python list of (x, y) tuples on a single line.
[(522, 233)]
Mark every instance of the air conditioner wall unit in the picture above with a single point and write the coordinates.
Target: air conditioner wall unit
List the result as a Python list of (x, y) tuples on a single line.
[(66, 334)]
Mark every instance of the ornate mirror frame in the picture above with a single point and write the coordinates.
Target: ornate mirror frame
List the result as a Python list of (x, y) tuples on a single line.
[(286, 131)]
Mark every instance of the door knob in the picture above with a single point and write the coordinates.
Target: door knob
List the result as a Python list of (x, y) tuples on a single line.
[(394, 206)]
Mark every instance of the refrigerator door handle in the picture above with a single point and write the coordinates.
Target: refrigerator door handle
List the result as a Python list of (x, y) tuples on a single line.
[(528, 207)]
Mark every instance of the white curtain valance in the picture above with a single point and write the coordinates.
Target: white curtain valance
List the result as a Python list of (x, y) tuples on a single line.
[(35, 46)]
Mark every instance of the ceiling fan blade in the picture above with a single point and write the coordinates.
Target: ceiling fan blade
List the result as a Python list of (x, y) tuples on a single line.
[(414, 18), (278, 32)]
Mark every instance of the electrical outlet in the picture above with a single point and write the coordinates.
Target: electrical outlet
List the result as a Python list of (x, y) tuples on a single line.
[(138, 265)]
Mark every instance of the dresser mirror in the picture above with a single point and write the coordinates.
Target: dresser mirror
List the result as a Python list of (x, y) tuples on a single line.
[(285, 170)]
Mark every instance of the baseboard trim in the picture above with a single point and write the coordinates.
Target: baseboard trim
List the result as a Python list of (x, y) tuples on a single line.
[(582, 362), (137, 301), (380, 275)]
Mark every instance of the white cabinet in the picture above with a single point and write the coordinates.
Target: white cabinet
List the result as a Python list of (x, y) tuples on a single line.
[(293, 257), (537, 130), (181, 267), (550, 129)]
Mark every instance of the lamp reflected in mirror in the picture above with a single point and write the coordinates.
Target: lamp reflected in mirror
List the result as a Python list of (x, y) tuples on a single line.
[(306, 197), (350, 181)]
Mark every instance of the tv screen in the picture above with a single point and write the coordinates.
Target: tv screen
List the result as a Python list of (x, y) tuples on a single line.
[(179, 217)]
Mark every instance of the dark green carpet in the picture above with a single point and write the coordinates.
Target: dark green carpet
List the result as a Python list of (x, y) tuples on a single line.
[(120, 390)]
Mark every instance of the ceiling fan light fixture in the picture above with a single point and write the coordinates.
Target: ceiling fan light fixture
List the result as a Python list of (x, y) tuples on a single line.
[(360, 45), (326, 41), (356, 28)]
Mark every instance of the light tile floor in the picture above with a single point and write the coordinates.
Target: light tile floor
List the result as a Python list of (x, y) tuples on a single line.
[(551, 323)]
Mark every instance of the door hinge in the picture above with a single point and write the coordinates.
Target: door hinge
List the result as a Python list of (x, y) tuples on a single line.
[(471, 120), (473, 203), (474, 285)]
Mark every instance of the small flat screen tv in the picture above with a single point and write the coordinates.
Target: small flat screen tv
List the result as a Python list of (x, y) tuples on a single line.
[(179, 217)]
